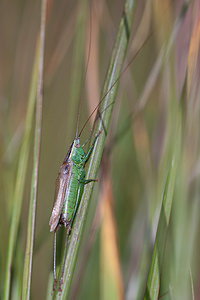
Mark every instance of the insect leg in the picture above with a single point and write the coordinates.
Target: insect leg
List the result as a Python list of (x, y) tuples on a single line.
[(98, 116), (54, 263), (87, 155), (86, 181), (86, 141), (64, 259)]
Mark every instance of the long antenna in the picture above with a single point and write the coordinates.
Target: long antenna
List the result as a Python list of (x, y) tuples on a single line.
[(86, 69), (120, 75)]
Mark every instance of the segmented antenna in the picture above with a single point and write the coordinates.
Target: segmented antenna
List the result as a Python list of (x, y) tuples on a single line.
[(86, 69), (120, 75)]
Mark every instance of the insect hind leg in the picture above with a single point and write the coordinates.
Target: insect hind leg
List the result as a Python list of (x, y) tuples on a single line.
[(54, 263), (69, 227), (64, 259)]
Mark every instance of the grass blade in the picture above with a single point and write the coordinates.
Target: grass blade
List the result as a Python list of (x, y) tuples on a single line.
[(111, 284), (153, 282), (33, 195), (20, 179), (113, 73)]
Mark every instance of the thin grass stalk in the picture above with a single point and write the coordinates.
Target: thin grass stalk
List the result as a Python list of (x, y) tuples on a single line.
[(49, 286), (77, 74), (153, 282), (37, 141), (113, 74), (155, 71), (111, 284), (173, 152), (20, 179), (153, 278)]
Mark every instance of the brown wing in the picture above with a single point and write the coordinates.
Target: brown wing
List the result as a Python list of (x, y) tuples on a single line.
[(61, 186)]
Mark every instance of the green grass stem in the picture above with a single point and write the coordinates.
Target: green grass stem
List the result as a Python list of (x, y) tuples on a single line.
[(114, 70), (37, 141), (20, 178)]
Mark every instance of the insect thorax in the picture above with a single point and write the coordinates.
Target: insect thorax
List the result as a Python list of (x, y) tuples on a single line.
[(77, 154)]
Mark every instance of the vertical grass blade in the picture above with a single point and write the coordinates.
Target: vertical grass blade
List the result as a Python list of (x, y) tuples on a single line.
[(111, 284), (153, 282), (77, 73), (37, 139), (20, 178), (113, 73)]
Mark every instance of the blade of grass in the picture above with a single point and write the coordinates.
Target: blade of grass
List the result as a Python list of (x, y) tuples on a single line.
[(111, 285), (76, 79), (61, 48), (92, 48), (113, 73), (185, 206), (74, 291), (49, 286), (173, 147), (174, 143), (193, 55), (20, 178), (33, 195), (155, 71)]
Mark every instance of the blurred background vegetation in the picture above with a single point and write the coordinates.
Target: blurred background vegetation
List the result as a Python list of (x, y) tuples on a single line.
[(149, 176)]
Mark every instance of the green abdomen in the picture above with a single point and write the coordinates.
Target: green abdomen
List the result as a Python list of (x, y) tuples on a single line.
[(72, 194)]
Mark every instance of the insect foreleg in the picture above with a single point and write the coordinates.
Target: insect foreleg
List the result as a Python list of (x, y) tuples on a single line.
[(87, 155), (86, 181), (85, 143)]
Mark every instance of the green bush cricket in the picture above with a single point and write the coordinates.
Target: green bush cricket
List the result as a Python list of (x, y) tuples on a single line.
[(69, 188)]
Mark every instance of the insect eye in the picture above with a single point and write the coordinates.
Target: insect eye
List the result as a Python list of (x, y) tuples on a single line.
[(77, 145)]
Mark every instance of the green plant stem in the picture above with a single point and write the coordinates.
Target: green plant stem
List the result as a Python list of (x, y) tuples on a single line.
[(20, 179), (174, 148), (76, 77), (113, 74), (33, 194)]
